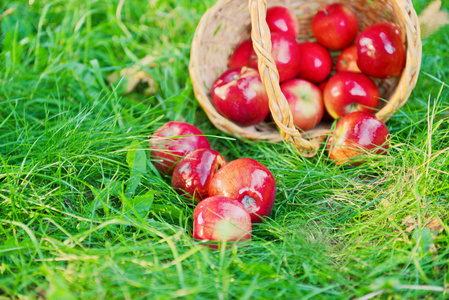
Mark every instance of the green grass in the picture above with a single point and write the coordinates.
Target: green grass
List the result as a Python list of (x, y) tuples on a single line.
[(84, 214)]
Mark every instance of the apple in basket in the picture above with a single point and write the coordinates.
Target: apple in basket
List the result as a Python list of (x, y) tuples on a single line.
[(316, 62), (193, 173), (355, 134), (172, 141), (346, 92), (249, 182), (335, 26), (281, 19), (239, 95), (220, 218), (305, 101), (285, 51), (243, 55), (347, 60), (380, 51)]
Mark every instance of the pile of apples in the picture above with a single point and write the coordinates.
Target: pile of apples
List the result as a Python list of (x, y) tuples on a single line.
[(229, 196), (314, 87)]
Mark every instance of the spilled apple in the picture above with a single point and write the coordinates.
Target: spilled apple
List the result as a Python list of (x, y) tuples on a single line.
[(193, 173), (249, 182), (220, 218), (172, 141)]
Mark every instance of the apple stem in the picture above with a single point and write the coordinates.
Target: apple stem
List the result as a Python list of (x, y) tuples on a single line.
[(249, 203), (353, 107)]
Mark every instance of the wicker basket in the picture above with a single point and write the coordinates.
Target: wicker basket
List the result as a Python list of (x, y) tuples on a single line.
[(229, 22)]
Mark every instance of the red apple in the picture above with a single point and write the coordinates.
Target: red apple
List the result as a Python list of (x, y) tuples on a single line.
[(243, 56), (249, 182), (316, 62), (239, 95), (380, 51), (305, 101), (347, 92), (347, 60), (172, 141), (281, 19), (355, 134), (220, 218), (285, 51), (335, 26), (193, 173)]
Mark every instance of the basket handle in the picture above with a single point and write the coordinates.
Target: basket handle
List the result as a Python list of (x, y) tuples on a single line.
[(409, 76), (280, 110), (279, 107)]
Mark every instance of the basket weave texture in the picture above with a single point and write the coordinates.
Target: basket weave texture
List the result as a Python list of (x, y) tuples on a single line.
[(229, 22)]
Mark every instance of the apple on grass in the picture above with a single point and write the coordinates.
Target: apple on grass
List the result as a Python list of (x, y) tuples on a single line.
[(315, 62), (305, 101), (335, 26), (380, 52), (172, 141), (193, 173), (281, 19), (239, 95), (355, 134), (347, 60), (346, 92), (285, 51), (220, 218), (249, 182), (243, 56)]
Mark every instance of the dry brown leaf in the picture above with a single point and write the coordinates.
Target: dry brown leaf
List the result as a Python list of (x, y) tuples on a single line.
[(135, 75), (410, 222), (434, 252), (410, 228), (432, 248), (432, 18), (435, 226), (41, 294)]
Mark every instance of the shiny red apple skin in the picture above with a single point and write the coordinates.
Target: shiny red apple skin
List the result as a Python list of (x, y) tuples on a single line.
[(243, 56), (347, 60), (239, 95), (281, 19), (316, 62), (249, 182), (305, 101), (335, 26), (172, 141), (220, 218), (380, 51), (346, 92), (285, 52), (193, 173), (355, 134)]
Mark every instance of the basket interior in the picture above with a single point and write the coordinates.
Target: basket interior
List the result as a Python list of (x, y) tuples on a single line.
[(229, 24)]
